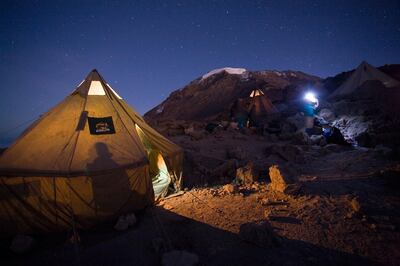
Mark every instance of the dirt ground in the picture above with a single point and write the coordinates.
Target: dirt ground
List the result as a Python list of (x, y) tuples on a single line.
[(346, 213)]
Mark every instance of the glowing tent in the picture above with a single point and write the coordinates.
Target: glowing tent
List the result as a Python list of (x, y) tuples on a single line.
[(260, 107), (87, 160), (364, 72)]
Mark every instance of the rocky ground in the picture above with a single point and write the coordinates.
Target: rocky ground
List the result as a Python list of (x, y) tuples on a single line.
[(343, 209)]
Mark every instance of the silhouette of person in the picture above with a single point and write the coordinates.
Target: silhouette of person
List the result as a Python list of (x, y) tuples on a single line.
[(110, 183)]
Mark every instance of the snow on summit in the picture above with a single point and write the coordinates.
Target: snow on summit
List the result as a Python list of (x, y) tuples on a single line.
[(230, 70)]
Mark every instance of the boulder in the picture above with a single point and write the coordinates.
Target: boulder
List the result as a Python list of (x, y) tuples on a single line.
[(21, 244), (316, 139), (365, 140), (283, 179), (230, 189), (352, 126), (179, 258), (247, 174), (259, 233), (327, 114), (355, 205)]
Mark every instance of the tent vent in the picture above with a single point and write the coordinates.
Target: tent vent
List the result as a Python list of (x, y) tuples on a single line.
[(96, 88)]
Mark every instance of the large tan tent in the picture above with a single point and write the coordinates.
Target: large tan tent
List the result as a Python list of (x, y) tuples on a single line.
[(260, 107), (364, 72), (87, 160)]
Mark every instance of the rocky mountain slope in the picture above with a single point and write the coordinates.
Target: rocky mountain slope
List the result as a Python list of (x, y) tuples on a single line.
[(212, 95)]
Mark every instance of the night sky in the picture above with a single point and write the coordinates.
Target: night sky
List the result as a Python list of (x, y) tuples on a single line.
[(147, 49)]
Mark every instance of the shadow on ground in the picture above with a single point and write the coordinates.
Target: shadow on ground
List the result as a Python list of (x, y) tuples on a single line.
[(214, 246)]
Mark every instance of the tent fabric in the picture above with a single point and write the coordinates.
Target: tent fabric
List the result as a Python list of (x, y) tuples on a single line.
[(58, 173), (256, 92), (260, 107), (364, 72)]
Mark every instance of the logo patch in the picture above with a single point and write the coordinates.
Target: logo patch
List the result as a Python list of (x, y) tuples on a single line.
[(101, 125)]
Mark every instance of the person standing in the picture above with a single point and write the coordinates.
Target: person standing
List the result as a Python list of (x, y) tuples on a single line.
[(310, 105)]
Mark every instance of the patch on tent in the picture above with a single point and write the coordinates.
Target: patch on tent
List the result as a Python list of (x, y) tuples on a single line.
[(101, 125)]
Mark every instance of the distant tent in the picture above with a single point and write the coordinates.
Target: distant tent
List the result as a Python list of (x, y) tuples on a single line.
[(364, 72), (87, 160), (255, 93), (260, 107)]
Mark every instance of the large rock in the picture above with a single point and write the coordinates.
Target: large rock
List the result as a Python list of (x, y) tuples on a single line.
[(179, 258), (327, 114), (316, 139), (230, 189), (352, 126), (355, 205), (365, 140), (283, 179), (247, 174), (21, 244), (259, 233)]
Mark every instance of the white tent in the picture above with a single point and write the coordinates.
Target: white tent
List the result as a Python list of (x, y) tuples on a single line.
[(364, 72)]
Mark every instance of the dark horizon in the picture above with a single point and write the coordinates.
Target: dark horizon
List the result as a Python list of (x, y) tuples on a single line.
[(147, 49)]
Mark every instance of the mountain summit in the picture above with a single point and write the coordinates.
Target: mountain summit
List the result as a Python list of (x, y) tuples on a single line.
[(211, 95)]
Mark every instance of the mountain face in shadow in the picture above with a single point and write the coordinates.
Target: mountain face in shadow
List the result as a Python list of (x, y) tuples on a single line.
[(211, 96)]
